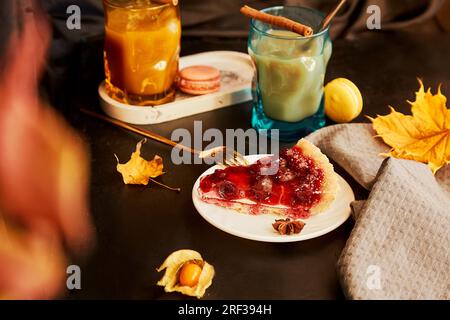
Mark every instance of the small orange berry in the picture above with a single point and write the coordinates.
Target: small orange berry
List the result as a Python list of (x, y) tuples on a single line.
[(189, 274)]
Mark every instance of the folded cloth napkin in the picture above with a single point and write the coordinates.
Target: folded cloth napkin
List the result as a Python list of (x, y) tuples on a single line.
[(400, 245)]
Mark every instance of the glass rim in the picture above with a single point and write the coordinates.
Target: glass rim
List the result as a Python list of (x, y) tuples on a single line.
[(299, 37), (115, 5)]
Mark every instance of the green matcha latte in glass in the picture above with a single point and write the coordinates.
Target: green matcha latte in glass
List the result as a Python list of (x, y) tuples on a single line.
[(290, 72)]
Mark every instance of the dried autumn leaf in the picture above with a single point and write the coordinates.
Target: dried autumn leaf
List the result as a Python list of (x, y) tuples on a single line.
[(424, 136), (138, 170)]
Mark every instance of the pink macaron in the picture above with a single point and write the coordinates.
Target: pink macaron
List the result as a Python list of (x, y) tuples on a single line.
[(198, 80)]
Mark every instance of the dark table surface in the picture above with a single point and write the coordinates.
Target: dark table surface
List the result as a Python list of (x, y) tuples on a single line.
[(138, 226)]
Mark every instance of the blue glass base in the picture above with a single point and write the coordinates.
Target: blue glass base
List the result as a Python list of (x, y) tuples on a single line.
[(288, 131)]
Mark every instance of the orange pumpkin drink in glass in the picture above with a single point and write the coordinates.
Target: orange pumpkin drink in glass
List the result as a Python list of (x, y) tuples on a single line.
[(142, 47)]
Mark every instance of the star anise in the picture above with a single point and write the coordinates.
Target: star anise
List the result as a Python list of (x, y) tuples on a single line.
[(287, 227)]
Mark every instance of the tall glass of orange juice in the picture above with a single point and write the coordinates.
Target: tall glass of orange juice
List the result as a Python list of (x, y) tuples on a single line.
[(142, 47)]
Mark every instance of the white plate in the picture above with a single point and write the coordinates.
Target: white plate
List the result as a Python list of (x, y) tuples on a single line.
[(259, 227), (236, 70)]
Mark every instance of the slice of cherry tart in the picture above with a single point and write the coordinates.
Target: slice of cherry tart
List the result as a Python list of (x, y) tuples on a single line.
[(304, 184)]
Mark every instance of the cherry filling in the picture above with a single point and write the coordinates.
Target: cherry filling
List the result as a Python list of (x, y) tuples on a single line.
[(297, 183)]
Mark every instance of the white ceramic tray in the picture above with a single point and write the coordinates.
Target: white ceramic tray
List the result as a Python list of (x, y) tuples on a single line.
[(236, 70)]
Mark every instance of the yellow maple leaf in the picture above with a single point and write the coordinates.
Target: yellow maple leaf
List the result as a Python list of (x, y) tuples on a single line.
[(424, 136), (138, 170)]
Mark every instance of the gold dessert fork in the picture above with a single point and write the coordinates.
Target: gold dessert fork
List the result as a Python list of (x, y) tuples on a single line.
[(222, 155)]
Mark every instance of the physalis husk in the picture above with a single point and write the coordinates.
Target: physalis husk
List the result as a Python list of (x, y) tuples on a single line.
[(138, 170), (424, 136), (172, 266)]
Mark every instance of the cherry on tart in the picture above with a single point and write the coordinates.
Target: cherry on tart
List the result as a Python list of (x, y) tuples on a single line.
[(304, 184)]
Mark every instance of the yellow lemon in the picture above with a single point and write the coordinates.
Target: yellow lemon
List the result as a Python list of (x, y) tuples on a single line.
[(343, 100)]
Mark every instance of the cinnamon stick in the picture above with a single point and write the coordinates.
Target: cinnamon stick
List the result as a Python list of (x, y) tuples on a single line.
[(277, 21)]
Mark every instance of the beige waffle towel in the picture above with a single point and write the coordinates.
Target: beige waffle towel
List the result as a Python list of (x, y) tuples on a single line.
[(400, 245)]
